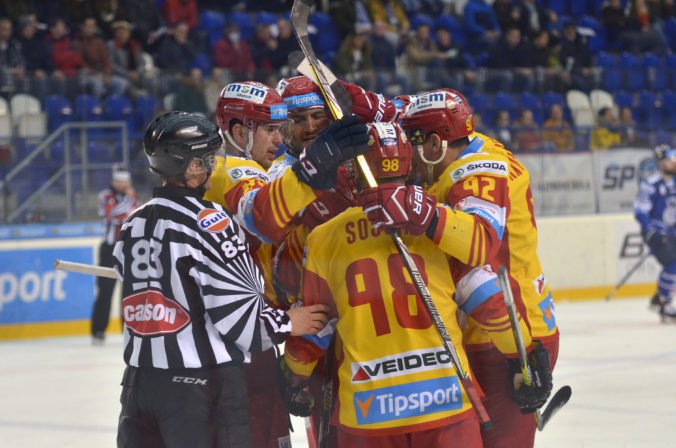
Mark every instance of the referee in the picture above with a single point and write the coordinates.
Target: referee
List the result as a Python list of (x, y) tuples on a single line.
[(192, 302)]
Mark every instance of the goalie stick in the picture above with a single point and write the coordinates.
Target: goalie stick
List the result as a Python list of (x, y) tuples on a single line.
[(335, 99), (561, 396), (629, 273)]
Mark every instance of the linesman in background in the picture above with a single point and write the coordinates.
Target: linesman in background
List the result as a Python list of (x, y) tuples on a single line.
[(115, 204), (193, 302)]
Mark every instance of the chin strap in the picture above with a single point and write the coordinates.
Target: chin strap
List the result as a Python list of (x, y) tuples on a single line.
[(249, 144), (429, 165)]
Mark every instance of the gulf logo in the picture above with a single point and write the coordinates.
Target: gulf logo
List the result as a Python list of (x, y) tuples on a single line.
[(213, 221)]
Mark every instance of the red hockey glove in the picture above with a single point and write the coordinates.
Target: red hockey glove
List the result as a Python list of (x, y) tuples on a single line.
[(330, 203), (394, 206), (299, 401), (369, 106)]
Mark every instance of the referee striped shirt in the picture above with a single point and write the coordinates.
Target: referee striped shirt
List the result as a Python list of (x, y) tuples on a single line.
[(192, 294)]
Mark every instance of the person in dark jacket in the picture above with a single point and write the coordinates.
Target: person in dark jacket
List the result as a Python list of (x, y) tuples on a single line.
[(176, 53), (512, 63)]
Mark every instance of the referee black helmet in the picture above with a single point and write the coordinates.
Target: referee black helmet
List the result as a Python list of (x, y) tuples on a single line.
[(174, 139)]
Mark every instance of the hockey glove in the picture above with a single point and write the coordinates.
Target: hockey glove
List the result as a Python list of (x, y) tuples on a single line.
[(298, 400), (393, 207), (369, 106), (328, 203), (342, 140), (530, 398)]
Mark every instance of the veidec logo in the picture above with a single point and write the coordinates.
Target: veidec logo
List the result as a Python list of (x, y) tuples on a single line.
[(400, 364), (407, 400), (149, 313), (212, 220)]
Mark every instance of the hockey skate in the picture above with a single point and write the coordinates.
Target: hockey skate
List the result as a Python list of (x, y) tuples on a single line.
[(667, 311), (655, 302)]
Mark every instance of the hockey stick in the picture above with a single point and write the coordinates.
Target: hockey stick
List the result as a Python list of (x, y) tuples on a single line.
[(516, 331), (558, 401), (300, 13), (327, 398), (91, 269), (629, 273)]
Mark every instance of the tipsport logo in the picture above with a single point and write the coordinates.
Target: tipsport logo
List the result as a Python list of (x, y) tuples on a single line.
[(547, 308), (278, 112), (407, 400)]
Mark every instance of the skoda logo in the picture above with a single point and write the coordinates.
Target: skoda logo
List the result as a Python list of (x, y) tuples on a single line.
[(236, 173), (457, 174)]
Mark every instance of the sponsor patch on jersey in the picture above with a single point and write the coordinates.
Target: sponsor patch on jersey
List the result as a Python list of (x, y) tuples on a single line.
[(387, 133), (477, 286), (426, 102), (547, 308), (495, 215), (255, 93), (494, 167), (400, 364), (539, 284), (149, 313), (213, 221), (407, 400), (278, 112), (306, 100), (247, 172)]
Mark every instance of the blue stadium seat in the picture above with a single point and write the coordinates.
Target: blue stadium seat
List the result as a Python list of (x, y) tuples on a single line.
[(634, 78), (505, 101), (244, 22), (88, 108), (624, 99), (669, 29), (656, 76), (549, 98), (669, 103), (670, 62), (202, 62), (559, 6), (99, 153), (58, 110), (328, 38), (533, 102), (481, 105), (579, 7), (612, 78), (453, 26), (421, 19), (120, 108), (597, 42), (211, 20), (146, 108), (266, 18), (649, 110)]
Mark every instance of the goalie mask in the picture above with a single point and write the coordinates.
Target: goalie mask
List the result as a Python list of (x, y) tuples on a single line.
[(251, 104)]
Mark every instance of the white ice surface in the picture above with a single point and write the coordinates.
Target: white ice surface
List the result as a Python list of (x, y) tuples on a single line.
[(618, 358)]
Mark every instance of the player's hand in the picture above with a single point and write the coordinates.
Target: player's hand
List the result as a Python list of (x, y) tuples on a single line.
[(369, 106), (393, 207), (310, 319), (298, 400), (530, 398), (342, 140)]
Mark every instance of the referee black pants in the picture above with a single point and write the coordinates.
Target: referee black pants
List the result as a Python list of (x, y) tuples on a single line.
[(187, 408), (104, 291)]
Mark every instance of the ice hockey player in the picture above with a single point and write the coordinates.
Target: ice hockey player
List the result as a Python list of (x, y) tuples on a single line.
[(487, 222), (655, 210), (251, 116), (396, 385), (192, 302)]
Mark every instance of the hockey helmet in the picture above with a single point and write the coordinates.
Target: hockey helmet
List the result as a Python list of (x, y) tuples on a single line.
[(174, 139), (402, 103), (300, 93), (665, 152), (444, 112), (390, 151), (249, 102)]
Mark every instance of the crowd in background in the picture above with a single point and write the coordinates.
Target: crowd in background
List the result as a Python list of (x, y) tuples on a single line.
[(157, 47)]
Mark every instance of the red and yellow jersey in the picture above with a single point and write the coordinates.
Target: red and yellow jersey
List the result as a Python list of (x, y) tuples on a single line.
[(393, 374), (491, 223), (263, 208)]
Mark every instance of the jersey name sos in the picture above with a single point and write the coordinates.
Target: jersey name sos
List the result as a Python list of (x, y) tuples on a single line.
[(361, 229)]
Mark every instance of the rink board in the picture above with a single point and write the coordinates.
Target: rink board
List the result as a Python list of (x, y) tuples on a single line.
[(583, 257)]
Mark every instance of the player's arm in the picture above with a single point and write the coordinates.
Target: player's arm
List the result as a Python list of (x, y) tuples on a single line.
[(643, 205)]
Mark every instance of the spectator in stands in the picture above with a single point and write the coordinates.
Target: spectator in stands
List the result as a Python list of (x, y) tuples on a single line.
[(286, 44), (12, 64), (421, 53), (65, 55), (631, 27), (125, 56), (526, 132), (512, 62), (480, 126), (556, 130), (546, 59), (507, 13), (503, 127), (662, 9), (234, 54), (348, 14), (176, 53), (146, 18), (392, 13), (190, 93), (384, 55), (97, 72), (453, 69), (212, 89), (576, 59), (181, 11), (262, 45), (354, 60), (606, 134), (37, 56), (481, 25), (630, 135)]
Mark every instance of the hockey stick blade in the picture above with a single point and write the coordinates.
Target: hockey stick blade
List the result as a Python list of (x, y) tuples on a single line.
[(558, 401)]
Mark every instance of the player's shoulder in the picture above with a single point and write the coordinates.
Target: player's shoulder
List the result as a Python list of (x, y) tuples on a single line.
[(479, 158), (280, 165)]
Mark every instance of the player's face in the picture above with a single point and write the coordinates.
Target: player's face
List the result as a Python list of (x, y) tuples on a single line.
[(307, 124), (668, 166), (266, 141)]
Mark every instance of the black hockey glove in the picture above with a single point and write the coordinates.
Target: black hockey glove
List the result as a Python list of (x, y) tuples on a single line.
[(342, 140), (298, 400), (530, 398)]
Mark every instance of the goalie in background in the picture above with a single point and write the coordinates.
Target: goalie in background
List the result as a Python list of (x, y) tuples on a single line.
[(655, 210)]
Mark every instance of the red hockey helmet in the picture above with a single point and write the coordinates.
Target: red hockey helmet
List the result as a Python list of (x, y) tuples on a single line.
[(300, 93), (402, 103), (249, 102), (390, 151), (444, 112)]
